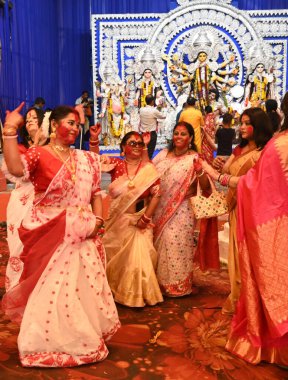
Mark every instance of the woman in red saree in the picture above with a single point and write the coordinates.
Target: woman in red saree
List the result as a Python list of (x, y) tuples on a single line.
[(63, 300)]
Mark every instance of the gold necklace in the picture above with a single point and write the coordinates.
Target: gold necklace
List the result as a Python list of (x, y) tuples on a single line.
[(59, 147), (131, 180), (71, 168)]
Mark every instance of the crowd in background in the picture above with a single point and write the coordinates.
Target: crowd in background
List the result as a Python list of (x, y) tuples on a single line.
[(149, 233)]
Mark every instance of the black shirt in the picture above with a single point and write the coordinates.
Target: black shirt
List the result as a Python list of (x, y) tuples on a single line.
[(225, 137)]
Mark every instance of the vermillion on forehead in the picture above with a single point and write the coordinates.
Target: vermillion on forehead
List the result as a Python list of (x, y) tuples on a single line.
[(67, 129), (181, 136)]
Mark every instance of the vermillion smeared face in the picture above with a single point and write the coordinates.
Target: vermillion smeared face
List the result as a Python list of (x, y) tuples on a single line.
[(68, 129), (134, 147), (181, 137), (32, 122)]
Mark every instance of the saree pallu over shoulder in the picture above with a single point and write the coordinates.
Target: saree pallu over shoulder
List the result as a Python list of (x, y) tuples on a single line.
[(174, 225), (176, 178), (240, 166), (123, 196), (260, 325)]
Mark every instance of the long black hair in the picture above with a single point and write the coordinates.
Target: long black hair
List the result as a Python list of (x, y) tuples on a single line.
[(262, 127), (284, 109)]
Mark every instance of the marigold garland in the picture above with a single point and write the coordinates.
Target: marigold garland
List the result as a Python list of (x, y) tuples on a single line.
[(145, 90), (115, 132), (260, 86)]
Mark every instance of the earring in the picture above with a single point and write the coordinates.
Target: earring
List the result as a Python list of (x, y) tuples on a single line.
[(122, 154), (53, 133)]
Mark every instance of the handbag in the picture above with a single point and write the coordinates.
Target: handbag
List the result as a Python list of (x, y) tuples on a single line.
[(209, 207)]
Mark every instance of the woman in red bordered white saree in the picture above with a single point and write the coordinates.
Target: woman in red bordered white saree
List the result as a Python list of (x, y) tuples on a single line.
[(63, 299), (128, 239), (174, 220)]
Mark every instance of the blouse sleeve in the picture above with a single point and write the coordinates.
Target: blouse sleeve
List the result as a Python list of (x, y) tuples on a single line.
[(30, 161)]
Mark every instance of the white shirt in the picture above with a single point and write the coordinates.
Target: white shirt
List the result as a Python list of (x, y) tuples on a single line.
[(148, 118)]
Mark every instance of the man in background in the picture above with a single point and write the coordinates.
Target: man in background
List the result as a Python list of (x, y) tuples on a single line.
[(39, 103), (149, 116), (194, 117)]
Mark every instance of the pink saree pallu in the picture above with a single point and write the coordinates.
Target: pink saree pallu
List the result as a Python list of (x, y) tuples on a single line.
[(260, 326)]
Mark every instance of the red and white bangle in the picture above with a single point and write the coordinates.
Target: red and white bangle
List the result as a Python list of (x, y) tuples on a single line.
[(224, 179)]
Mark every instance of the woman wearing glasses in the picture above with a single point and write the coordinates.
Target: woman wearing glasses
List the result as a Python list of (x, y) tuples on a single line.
[(128, 239)]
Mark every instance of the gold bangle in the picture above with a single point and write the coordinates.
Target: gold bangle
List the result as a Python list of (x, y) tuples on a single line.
[(7, 125), (9, 129), (8, 137)]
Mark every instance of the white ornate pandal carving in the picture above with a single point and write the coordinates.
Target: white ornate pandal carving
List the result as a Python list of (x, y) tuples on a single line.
[(237, 30)]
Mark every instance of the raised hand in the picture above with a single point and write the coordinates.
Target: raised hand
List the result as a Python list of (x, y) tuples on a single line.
[(14, 118), (95, 131), (146, 137)]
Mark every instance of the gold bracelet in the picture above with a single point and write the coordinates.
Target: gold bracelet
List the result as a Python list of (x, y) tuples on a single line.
[(9, 129), (7, 125)]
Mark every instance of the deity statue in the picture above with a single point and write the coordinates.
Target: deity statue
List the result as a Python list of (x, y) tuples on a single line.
[(113, 93), (148, 68), (260, 78), (202, 72)]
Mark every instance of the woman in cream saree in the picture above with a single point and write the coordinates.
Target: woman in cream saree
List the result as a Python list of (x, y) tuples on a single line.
[(128, 242)]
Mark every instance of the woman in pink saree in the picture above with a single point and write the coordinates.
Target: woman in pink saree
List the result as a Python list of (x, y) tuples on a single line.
[(63, 300), (128, 240), (174, 220)]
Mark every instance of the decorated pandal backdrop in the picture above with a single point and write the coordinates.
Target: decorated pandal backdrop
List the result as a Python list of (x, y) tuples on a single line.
[(210, 50)]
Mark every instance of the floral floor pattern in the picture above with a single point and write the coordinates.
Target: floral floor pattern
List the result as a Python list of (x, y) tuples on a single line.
[(181, 339)]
